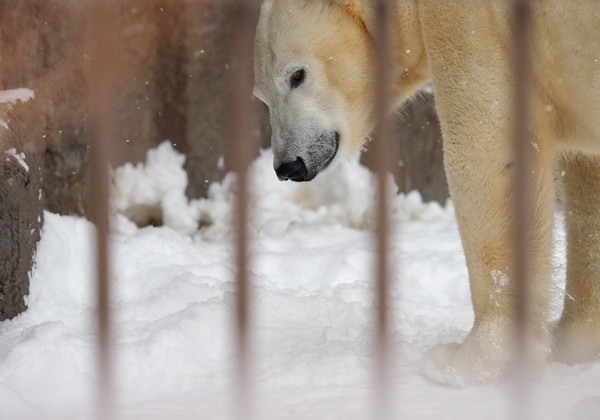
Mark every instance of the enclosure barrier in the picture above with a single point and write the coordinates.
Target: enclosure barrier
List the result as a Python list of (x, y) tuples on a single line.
[(99, 80), (383, 270), (239, 141), (522, 27)]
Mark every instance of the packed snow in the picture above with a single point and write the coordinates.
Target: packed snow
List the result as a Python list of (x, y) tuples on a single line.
[(19, 157), (312, 319), (12, 96)]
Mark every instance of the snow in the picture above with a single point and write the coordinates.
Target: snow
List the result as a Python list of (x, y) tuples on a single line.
[(160, 183), (312, 320), (19, 157), (12, 96)]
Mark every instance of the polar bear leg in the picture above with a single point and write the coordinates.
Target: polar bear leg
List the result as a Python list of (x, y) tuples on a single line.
[(481, 178), (577, 336)]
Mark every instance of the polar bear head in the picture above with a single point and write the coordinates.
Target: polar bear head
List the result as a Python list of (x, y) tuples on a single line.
[(313, 69)]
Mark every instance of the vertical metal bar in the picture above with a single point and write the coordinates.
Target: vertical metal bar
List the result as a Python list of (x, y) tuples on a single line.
[(381, 141), (522, 28), (99, 78), (240, 141)]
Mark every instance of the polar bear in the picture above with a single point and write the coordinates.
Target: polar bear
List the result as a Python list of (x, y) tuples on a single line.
[(314, 70)]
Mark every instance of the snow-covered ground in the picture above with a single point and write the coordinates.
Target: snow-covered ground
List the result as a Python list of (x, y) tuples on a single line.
[(10, 97), (312, 308)]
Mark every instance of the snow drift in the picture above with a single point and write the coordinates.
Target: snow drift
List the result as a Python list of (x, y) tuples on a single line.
[(312, 256)]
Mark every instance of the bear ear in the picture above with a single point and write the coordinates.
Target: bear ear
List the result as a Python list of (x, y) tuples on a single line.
[(355, 9)]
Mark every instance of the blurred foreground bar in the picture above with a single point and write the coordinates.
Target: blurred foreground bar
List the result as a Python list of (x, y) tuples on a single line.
[(522, 32), (100, 78), (381, 144), (241, 144)]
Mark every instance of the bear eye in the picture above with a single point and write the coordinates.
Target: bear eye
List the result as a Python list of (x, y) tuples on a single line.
[(297, 78)]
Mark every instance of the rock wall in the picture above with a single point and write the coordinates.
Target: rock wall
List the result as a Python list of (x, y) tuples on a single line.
[(21, 210), (417, 150)]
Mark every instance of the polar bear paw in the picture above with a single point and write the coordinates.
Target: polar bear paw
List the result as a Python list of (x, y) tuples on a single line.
[(576, 341), (460, 365), (484, 357)]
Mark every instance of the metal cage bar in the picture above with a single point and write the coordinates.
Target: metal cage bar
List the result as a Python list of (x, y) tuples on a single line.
[(522, 43), (240, 141), (382, 273), (99, 79)]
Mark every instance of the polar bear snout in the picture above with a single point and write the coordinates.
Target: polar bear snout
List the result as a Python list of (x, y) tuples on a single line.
[(309, 158), (295, 170)]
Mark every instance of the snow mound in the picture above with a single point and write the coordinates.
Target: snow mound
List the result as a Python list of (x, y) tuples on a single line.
[(155, 189), (12, 96), (343, 194)]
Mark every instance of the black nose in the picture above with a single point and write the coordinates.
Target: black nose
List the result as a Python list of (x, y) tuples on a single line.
[(294, 170)]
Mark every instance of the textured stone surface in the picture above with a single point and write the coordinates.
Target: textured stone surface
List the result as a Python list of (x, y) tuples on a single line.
[(208, 27), (20, 223), (39, 42), (421, 150), (21, 209), (203, 41), (417, 150)]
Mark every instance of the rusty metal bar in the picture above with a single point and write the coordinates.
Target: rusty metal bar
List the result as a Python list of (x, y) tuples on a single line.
[(382, 136), (99, 80), (240, 141), (522, 28)]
